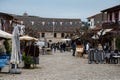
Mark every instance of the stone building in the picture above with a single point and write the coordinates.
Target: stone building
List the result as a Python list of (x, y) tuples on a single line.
[(6, 22), (97, 20), (113, 22), (113, 14), (50, 29)]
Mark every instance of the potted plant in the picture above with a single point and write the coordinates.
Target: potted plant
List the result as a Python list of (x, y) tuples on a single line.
[(7, 46), (27, 61)]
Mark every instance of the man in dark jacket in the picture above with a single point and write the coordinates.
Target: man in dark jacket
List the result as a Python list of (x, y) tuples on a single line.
[(73, 45)]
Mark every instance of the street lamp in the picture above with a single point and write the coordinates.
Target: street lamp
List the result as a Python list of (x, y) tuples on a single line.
[(53, 35), (53, 27)]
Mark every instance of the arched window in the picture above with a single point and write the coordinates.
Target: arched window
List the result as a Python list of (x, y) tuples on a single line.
[(62, 35), (55, 35), (56, 23), (43, 35), (48, 23)]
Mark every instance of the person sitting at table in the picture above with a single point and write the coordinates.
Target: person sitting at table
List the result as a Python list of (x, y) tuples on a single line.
[(112, 58)]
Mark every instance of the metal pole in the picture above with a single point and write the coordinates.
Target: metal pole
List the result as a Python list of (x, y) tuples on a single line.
[(53, 27), (53, 35)]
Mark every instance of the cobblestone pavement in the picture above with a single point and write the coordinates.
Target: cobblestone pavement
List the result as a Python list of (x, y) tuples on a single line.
[(63, 66)]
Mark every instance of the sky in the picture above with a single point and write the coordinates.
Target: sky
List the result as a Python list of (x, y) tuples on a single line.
[(80, 9)]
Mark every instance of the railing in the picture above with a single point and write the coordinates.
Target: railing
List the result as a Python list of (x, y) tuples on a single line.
[(111, 25)]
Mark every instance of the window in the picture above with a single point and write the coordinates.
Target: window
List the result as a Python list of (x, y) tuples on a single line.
[(55, 35), (62, 35), (56, 23), (110, 16), (75, 23), (116, 16), (43, 35), (48, 23), (66, 23)]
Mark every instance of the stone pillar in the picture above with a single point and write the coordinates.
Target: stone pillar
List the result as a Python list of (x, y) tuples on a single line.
[(108, 17), (113, 17)]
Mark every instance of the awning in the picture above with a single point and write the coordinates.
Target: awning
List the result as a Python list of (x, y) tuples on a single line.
[(103, 31), (6, 35), (65, 39), (106, 30), (6, 16), (95, 37), (28, 38)]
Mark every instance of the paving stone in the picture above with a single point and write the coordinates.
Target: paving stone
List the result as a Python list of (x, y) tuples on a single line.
[(63, 66)]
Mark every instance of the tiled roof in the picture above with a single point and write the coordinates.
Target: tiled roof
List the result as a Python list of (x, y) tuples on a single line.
[(6, 16), (97, 28), (94, 15), (112, 9), (48, 26)]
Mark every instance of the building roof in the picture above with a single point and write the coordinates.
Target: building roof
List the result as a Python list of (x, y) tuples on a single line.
[(94, 15), (97, 28), (36, 23), (112, 9), (6, 16)]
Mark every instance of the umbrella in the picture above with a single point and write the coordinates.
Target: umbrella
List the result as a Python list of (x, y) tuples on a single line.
[(103, 31), (95, 37), (4, 34), (16, 54), (28, 38)]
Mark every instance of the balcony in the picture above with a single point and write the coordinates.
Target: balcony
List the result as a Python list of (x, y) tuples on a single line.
[(112, 25)]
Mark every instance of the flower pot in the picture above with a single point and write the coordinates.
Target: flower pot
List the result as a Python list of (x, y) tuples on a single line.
[(27, 66)]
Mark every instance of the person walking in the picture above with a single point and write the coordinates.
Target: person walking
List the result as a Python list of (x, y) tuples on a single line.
[(61, 47), (87, 47), (73, 45)]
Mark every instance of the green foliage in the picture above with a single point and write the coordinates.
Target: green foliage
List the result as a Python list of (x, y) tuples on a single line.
[(27, 59), (7, 46)]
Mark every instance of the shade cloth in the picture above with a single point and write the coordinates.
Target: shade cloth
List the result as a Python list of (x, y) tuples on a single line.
[(28, 38), (4, 34)]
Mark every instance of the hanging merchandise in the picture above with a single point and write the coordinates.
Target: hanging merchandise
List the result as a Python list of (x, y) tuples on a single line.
[(43, 23), (70, 23), (61, 23), (32, 22), (21, 22)]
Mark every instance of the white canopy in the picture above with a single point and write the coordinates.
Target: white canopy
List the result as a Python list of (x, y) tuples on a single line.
[(65, 39), (106, 30), (28, 38), (103, 31), (4, 34), (95, 37)]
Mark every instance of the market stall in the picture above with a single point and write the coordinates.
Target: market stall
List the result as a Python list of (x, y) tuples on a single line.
[(4, 34)]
